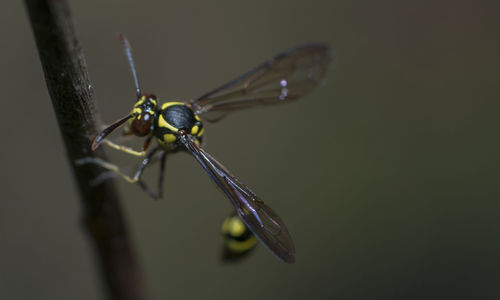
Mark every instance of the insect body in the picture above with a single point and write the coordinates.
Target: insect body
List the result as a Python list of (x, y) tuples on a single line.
[(175, 116), (238, 241), (177, 126)]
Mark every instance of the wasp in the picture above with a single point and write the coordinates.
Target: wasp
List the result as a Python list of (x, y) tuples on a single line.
[(178, 126)]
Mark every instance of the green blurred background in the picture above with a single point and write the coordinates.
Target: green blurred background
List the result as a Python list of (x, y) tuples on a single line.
[(390, 187)]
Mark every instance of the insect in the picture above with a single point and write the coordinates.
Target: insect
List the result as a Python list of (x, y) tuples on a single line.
[(237, 240), (178, 126)]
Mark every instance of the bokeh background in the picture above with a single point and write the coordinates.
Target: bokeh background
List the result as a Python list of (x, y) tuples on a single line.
[(387, 175)]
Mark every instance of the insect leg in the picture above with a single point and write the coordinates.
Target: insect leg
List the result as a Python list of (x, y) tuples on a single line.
[(144, 164), (125, 149), (106, 165), (145, 146), (129, 150), (103, 177), (110, 174), (148, 191), (162, 173), (114, 168)]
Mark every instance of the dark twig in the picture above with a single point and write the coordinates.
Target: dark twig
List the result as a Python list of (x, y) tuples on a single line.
[(70, 89)]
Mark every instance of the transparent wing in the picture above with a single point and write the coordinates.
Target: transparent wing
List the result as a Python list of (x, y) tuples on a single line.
[(286, 77), (259, 218)]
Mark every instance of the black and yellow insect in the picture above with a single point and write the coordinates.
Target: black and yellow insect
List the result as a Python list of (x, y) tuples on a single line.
[(178, 126), (237, 240)]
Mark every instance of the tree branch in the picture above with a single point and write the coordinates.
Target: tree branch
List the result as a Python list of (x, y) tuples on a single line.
[(70, 89)]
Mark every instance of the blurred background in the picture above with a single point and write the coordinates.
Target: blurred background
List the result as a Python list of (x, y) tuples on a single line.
[(390, 187)]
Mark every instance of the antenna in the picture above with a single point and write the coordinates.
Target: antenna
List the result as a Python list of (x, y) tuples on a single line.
[(128, 53), (98, 139)]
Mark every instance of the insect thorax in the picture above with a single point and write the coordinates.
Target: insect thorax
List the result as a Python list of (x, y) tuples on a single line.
[(175, 116)]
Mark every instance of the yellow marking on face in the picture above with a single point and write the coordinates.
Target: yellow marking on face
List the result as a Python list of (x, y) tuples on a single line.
[(167, 104), (201, 132), (140, 101), (197, 118), (136, 110), (241, 246), (195, 129), (169, 137), (163, 123)]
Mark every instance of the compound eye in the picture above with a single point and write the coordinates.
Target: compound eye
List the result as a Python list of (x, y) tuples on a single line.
[(141, 125), (150, 97)]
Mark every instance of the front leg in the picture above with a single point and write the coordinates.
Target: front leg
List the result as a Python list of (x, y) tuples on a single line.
[(129, 150), (114, 168)]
